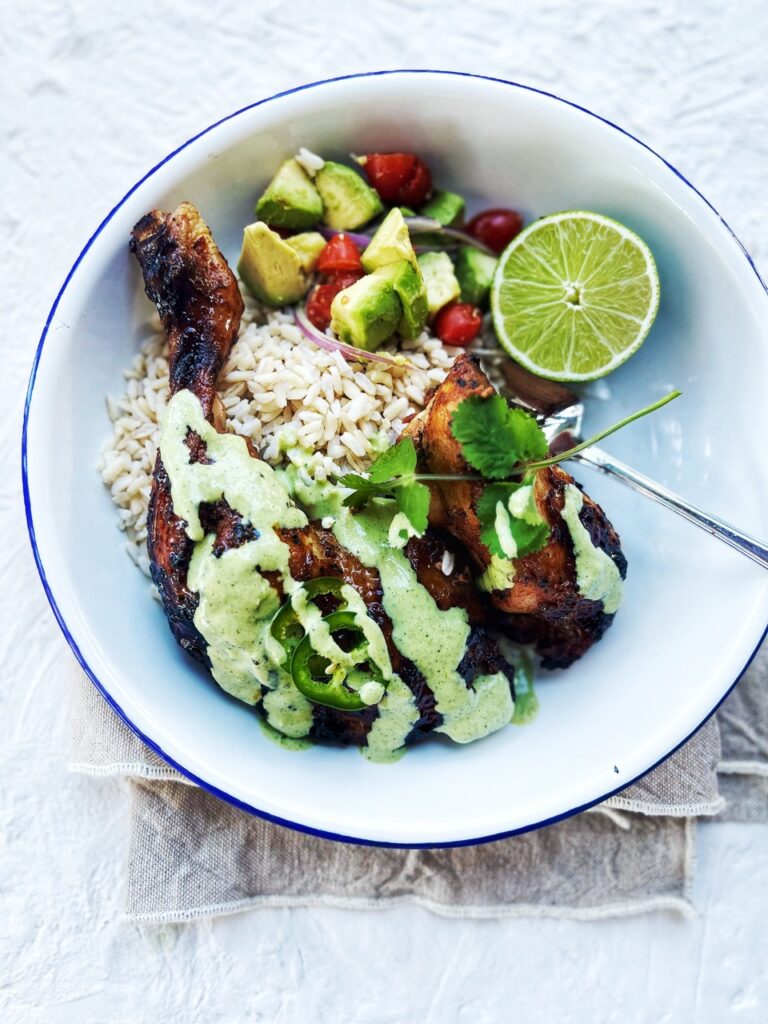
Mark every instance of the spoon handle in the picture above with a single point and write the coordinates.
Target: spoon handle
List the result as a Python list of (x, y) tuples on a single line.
[(601, 461)]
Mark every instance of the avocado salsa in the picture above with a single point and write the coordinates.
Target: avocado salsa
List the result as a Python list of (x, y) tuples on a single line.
[(372, 288)]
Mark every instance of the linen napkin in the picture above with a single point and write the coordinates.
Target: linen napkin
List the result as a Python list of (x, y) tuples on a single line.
[(192, 855), (743, 721)]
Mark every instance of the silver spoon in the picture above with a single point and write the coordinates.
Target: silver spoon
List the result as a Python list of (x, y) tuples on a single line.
[(561, 413)]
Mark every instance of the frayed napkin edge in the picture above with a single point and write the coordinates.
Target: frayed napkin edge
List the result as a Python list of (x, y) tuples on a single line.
[(759, 768), (679, 904), (700, 810), (683, 905), (130, 770), (156, 773)]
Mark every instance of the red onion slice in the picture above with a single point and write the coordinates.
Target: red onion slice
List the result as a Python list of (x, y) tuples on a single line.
[(361, 241), (424, 225), (349, 352), (417, 226)]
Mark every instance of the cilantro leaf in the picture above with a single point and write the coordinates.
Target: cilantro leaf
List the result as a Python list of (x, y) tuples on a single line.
[(357, 499), (495, 438), (362, 490), (397, 461), (413, 502), (390, 472), (503, 533), (354, 480)]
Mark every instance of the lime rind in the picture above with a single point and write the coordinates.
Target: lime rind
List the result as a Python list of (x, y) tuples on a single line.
[(615, 275)]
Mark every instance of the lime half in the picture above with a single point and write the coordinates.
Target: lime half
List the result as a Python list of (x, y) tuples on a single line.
[(574, 295)]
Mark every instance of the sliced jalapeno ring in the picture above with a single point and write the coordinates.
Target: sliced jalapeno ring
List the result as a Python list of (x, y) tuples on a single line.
[(310, 669), (330, 585), (286, 627)]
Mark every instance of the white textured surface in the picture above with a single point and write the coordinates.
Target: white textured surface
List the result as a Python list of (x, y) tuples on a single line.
[(90, 99)]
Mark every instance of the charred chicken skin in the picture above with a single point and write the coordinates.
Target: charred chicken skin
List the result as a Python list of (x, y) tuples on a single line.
[(198, 299), (543, 607), (200, 306)]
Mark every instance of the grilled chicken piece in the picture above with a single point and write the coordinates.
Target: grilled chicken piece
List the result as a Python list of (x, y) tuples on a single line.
[(197, 297), (200, 305), (543, 607)]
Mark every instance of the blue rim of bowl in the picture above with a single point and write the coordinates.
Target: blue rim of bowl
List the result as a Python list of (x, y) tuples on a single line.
[(215, 791)]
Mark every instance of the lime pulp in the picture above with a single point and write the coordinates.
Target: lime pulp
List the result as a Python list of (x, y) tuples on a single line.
[(574, 296)]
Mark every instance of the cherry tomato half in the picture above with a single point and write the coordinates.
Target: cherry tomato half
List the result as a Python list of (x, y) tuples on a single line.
[(402, 179), (495, 228), (318, 307), (340, 253), (344, 278), (458, 323)]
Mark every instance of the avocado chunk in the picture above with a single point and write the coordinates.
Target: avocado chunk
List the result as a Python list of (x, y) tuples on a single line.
[(474, 272), (348, 200), (291, 200), (390, 244), (366, 313), (409, 287), (440, 279), (271, 268), (308, 246), (445, 207)]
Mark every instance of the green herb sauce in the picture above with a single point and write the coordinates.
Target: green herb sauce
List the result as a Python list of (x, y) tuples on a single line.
[(597, 576), (434, 640), (499, 575), (286, 742), (526, 701), (237, 602), (397, 716), (286, 709), (249, 485)]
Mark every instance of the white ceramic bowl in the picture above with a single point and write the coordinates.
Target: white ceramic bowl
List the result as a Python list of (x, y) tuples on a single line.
[(694, 611)]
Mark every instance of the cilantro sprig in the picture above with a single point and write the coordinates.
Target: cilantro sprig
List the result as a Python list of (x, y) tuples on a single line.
[(496, 438), (393, 475), (506, 447)]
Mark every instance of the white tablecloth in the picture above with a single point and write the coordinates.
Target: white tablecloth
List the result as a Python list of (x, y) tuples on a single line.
[(92, 95)]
